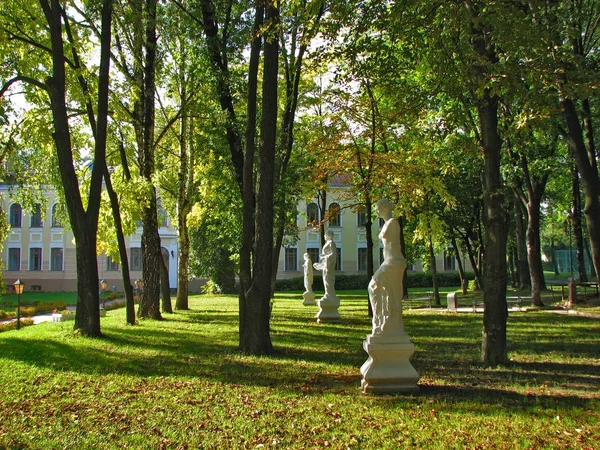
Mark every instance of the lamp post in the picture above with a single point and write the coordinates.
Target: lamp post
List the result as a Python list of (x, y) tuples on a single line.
[(18, 285), (102, 289)]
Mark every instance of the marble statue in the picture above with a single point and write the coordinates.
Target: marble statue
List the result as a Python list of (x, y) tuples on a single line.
[(308, 273), (327, 265), (329, 303), (308, 295), (385, 288), (388, 368)]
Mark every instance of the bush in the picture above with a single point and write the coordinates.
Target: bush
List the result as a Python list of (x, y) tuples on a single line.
[(13, 325), (352, 282)]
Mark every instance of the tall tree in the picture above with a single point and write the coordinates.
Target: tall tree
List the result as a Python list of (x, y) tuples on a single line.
[(84, 219)]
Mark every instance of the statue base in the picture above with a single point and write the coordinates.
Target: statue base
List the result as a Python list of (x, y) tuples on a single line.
[(309, 298), (388, 369), (328, 309)]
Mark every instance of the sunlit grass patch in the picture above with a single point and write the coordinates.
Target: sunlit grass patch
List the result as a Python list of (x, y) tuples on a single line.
[(181, 383)]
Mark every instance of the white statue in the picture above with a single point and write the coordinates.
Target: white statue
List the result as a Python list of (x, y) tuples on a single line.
[(308, 273), (385, 288), (327, 265)]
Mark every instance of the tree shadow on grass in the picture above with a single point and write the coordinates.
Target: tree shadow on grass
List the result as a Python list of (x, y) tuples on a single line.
[(315, 358)]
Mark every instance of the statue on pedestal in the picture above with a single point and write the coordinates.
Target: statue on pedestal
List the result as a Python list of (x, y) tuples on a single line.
[(308, 295), (329, 304), (388, 368)]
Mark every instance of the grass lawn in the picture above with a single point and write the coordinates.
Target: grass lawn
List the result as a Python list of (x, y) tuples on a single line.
[(179, 383)]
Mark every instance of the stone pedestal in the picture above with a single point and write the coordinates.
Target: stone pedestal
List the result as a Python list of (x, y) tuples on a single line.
[(328, 310), (309, 298), (388, 369), (452, 301)]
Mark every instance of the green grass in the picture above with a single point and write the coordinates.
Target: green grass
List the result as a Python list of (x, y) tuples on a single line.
[(179, 383)]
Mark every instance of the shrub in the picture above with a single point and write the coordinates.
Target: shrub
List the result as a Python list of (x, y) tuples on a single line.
[(25, 322), (361, 281)]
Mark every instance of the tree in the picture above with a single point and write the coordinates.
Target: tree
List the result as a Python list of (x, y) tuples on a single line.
[(84, 220), (256, 261)]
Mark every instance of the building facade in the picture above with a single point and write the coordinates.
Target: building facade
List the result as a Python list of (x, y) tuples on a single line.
[(40, 250), (347, 224)]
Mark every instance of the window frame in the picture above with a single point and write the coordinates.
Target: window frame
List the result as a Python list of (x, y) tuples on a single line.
[(290, 256), (35, 255), (36, 220), (53, 259), (14, 220), (18, 264), (335, 217)]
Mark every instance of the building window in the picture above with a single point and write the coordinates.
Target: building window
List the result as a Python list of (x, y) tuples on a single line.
[(334, 215), (361, 216), (111, 266), (56, 259), (362, 259), (35, 259), (312, 214), (36, 218), (410, 267), (15, 215), (135, 258), (14, 259), (57, 211), (291, 259), (381, 258), (449, 260), (338, 259), (314, 254)]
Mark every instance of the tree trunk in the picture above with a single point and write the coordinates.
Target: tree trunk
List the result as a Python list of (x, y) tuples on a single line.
[(369, 238), (521, 239), (248, 198), (589, 178), (403, 250), (256, 339), (116, 210), (165, 285), (494, 349), (576, 223), (434, 279), (461, 270), (183, 264), (534, 250), (473, 261), (149, 307), (84, 223)]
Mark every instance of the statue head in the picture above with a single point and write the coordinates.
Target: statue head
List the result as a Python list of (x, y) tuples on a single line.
[(384, 205)]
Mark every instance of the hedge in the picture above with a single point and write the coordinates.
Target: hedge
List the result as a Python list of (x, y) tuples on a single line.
[(349, 282)]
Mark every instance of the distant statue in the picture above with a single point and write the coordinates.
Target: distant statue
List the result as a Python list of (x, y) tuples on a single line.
[(327, 265), (385, 288), (308, 273)]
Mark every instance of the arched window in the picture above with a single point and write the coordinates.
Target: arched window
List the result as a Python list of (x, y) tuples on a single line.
[(334, 215), (15, 215), (36, 217), (312, 213), (57, 211)]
